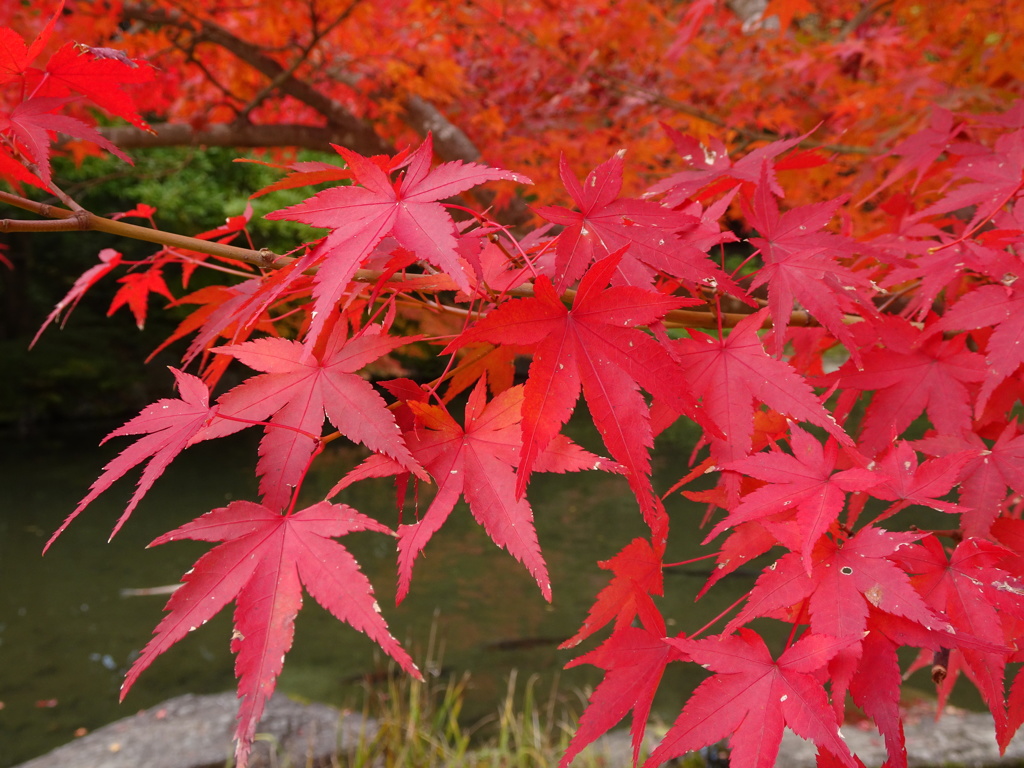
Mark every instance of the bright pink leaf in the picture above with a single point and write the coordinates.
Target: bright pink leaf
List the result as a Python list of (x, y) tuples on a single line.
[(297, 390), (844, 580), (911, 372), (733, 373), (109, 260), (646, 232), (170, 426), (802, 487), (264, 561), (359, 217), (637, 574), (475, 461), (998, 306), (985, 475), (803, 263)]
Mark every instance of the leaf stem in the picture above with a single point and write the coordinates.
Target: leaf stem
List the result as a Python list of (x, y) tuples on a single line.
[(719, 616), (796, 623), (298, 486), (694, 560), (268, 424)]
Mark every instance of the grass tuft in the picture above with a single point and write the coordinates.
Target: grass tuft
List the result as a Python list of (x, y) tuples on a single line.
[(419, 726)]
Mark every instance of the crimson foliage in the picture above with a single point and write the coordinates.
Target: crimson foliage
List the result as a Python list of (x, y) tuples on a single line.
[(914, 324)]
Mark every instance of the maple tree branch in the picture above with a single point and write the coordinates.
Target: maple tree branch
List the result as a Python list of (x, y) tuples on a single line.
[(317, 36), (358, 134), (238, 134), (65, 221), (865, 12), (85, 221), (71, 224), (343, 127)]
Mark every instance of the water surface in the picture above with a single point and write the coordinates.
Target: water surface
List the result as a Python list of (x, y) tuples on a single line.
[(67, 634)]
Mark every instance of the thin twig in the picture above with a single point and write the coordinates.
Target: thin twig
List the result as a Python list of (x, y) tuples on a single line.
[(85, 221)]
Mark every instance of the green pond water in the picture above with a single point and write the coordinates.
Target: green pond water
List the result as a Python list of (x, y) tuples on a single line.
[(67, 634)]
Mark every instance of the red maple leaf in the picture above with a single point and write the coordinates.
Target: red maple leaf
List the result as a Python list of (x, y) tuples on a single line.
[(845, 579), (905, 482), (135, 290), (297, 389), (300, 174), (952, 267), (875, 688), (109, 260), (731, 373), (971, 589), (495, 362), (359, 217), (911, 371), (919, 151), (594, 346), (232, 227), (14, 170), (753, 697), (15, 56), (170, 426), (233, 312), (747, 541), (646, 232), (712, 163), (985, 475), (262, 565), (992, 176), (32, 123), (637, 574), (634, 659), (801, 262), (998, 306), (475, 461), (101, 80), (801, 487)]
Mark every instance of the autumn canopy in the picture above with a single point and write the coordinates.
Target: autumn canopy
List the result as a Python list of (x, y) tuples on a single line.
[(797, 224)]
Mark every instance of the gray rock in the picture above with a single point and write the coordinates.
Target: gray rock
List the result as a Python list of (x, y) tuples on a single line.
[(196, 732), (959, 738)]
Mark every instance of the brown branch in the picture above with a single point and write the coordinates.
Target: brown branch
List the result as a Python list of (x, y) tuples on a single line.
[(73, 224), (357, 134), (317, 35), (865, 12), (450, 141), (85, 221), (343, 127), (225, 135)]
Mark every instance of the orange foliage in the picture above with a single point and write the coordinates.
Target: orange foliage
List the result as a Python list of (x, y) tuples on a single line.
[(528, 80)]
